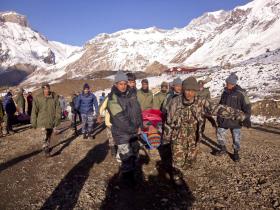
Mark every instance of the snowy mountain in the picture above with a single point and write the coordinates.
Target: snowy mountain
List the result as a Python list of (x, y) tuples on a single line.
[(221, 38), (24, 49), (214, 39)]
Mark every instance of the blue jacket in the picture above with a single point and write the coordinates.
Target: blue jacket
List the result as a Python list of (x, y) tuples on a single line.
[(9, 104), (85, 102)]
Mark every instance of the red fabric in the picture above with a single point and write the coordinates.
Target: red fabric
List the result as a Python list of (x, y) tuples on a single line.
[(152, 115)]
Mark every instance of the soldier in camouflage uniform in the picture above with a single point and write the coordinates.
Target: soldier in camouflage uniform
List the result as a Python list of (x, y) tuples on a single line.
[(184, 123)]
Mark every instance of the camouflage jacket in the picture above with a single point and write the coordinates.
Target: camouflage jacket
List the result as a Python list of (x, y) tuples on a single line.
[(199, 108)]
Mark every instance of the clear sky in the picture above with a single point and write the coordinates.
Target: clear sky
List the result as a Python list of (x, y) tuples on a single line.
[(77, 21)]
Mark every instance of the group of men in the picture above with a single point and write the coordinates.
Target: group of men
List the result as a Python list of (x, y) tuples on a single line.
[(185, 106), (11, 108)]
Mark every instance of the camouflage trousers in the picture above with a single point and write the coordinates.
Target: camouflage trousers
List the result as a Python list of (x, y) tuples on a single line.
[(184, 152), (110, 137), (46, 134), (128, 154), (87, 123)]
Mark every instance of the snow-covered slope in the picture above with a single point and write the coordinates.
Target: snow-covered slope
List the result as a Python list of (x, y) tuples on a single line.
[(248, 31), (19, 44), (214, 39), (221, 38)]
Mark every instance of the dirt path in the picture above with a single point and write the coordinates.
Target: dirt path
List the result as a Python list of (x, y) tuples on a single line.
[(83, 175)]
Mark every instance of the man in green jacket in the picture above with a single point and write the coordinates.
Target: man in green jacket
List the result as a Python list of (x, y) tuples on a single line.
[(203, 91), (46, 114), (20, 101), (160, 97), (2, 113), (145, 96)]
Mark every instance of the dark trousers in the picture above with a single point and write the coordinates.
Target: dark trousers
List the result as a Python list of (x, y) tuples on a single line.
[(9, 122), (75, 115)]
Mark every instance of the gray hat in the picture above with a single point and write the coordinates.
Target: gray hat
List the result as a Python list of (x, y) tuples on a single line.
[(120, 76), (177, 81), (190, 84), (232, 79)]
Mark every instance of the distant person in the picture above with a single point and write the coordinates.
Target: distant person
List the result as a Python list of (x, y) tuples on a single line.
[(160, 97), (20, 102), (88, 106), (63, 106), (145, 96), (101, 98), (2, 114), (132, 82), (174, 91), (233, 96), (46, 115), (10, 109), (75, 113), (29, 103)]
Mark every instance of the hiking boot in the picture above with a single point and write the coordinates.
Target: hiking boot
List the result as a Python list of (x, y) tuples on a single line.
[(85, 136), (236, 157), (222, 151)]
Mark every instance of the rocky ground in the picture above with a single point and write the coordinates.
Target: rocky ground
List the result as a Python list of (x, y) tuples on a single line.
[(81, 174)]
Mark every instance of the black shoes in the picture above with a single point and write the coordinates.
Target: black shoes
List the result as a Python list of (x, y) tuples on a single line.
[(235, 156), (85, 136)]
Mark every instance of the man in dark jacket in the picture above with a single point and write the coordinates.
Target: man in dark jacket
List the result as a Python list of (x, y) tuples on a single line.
[(233, 96), (46, 114), (87, 105), (126, 121), (10, 109), (75, 113), (29, 103)]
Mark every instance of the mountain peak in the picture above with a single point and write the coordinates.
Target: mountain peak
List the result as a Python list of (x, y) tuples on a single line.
[(13, 17)]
